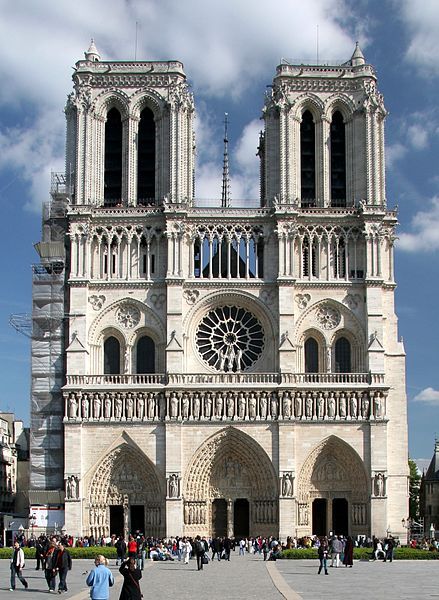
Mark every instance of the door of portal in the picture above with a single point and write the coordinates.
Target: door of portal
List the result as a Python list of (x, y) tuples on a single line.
[(116, 520), (219, 518), (241, 518), (137, 514), (319, 525), (340, 516)]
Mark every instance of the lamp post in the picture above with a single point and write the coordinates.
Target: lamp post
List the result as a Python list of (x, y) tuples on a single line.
[(32, 519), (407, 525), (432, 532)]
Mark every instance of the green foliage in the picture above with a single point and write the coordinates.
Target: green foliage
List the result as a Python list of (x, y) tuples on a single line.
[(414, 486), (364, 554), (90, 552)]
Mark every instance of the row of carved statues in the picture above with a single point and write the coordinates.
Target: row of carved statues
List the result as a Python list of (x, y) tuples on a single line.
[(224, 405)]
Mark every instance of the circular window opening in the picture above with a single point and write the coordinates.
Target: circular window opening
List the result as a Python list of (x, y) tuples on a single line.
[(230, 339)]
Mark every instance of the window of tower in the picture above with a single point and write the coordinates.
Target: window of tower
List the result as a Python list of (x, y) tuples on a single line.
[(146, 159), (111, 356), (311, 356), (145, 355), (307, 160), (342, 355), (338, 160), (339, 256), (113, 159), (309, 260)]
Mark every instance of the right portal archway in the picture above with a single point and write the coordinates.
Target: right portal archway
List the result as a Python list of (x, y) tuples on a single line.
[(333, 491)]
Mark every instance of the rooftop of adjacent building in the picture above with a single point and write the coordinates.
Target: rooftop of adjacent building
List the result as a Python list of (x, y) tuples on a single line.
[(432, 472)]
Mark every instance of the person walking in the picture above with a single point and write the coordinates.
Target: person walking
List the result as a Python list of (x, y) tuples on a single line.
[(17, 565), (348, 558), (49, 567), (323, 556), (63, 564), (100, 579), (121, 550), (186, 550), (131, 577), (336, 550), (199, 551), (40, 551)]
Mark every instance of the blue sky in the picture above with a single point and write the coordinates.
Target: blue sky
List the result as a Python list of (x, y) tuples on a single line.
[(230, 50)]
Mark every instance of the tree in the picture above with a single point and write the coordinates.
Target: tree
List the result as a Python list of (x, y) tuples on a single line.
[(414, 486)]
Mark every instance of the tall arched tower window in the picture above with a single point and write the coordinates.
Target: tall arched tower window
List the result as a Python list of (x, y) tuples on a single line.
[(111, 356), (338, 160), (145, 356), (146, 158), (113, 158), (307, 160), (342, 355), (311, 356)]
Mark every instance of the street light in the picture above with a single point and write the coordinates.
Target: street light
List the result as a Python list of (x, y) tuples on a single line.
[(32, 519), (407, 525), (432, 532)]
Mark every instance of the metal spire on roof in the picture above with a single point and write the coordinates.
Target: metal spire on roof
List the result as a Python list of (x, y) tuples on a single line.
[(225, 191)]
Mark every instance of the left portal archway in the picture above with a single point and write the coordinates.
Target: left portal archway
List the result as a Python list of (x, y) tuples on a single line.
[(123, 482)]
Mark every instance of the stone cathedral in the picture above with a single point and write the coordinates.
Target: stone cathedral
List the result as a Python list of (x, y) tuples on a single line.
[(211, 369)]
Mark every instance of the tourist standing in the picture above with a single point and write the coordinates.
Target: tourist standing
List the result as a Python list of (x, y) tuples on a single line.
[(348, 558), (199, 551), (49, 569), (17, 565), (63, 563), (131, 577), (100, 579), (323, 556), (336, 550), (121, 550), (186, 550)]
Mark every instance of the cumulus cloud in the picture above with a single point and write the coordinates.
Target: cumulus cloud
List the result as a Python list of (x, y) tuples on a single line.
[(394, 153), (422, 22), (417, 136), (428, 395), (227, 48), (425, 230)]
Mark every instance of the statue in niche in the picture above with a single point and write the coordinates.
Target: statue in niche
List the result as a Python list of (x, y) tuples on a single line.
[(129, 406), (241, 405), (365, 404), (331, 405), (185, 406), (72, 406), (151, 406), (320, 406), (354, 406), (298, 406), (84, 406), (238, 360), (173, 486), (379, 485), (118, 406), (196, 405), (263, 405), (378, 406), (219, 405), (126, 360), (107, 406), (308, 406), (230, 405), (208, 405), (286, 406), (140, 406), (342, 406), (328, 360), (162, 406), (252, 406), (273, 406), (96, 406), (173, 406), (287, 485)]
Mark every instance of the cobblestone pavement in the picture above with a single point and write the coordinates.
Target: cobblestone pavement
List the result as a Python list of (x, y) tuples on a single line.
[(398, 580), (247, 578)]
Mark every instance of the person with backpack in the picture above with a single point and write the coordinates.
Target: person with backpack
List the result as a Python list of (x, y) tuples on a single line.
[(199, 552)]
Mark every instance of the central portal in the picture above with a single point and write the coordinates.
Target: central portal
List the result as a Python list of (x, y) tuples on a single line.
[(241, 518), (116, 520), (340, 521), (219, 518), (137, 513)]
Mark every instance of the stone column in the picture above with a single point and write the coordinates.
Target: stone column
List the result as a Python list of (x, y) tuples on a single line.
[(230, 518)]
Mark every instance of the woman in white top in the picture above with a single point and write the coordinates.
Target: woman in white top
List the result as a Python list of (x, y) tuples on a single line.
[(187, 549)]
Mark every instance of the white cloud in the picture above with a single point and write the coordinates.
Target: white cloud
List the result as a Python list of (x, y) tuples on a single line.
[(422, 22), (425, 230), (394, 153), (417, 136), (428, 395), (227, 48)]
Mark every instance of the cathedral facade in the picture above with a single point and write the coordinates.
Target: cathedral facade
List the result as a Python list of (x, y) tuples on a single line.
[(220, 370)]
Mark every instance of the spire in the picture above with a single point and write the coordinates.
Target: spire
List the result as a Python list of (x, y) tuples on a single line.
[(92, 53), (357, 58), (225, 192)]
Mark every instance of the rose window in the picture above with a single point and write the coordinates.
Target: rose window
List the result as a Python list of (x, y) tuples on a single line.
[(229, 338), (328, 317)]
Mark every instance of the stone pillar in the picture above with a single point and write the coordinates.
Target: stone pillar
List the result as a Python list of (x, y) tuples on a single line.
[(230, 518)]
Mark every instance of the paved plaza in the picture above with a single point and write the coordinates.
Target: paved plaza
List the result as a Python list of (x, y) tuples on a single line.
[(249, 577)]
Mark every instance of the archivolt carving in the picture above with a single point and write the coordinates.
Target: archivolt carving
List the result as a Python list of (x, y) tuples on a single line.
[(230, 464), (333, 466), (109, 99), (344, 319)]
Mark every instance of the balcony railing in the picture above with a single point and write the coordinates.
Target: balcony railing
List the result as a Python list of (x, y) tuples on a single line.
[(182, 379)]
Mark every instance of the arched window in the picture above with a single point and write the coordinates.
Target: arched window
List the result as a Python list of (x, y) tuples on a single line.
[(309, 260), (145, 357), (111, 356), (342, 355), (307, 160), (113, 159), (339, 258), (146, 158), (311, 356), (338, 160)]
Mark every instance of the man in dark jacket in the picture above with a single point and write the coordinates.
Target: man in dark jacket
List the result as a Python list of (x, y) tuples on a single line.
[(63, 563), (199, 552), (227, 548), (121, 550)]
